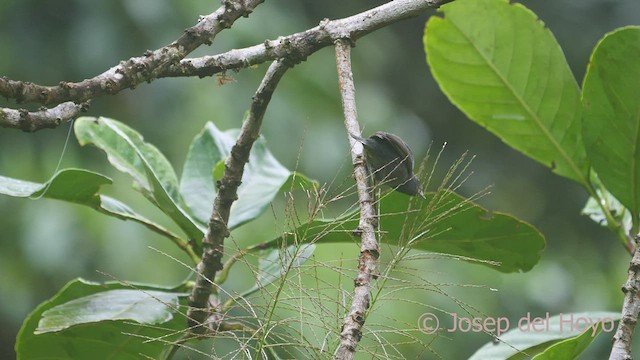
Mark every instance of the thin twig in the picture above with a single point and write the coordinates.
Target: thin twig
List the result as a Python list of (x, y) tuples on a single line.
[(234, 167), (369, 251), (621, 349)]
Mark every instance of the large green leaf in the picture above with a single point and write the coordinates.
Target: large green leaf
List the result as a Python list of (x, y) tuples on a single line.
[(444, 223), (263, 176), (500, 66), (73, 185), (80, 187), (571, 348), (151, 171), (197, 185), (611, 127), (531, 335), (113, 339), (144, 306), (128, 152)]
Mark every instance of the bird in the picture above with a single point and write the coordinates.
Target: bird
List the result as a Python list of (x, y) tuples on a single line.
[(390, 161)]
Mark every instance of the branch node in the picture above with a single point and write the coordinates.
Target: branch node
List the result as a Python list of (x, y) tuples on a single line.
[(323, 23), (213, 241), (191, 32), (372, 252), (346, 37)]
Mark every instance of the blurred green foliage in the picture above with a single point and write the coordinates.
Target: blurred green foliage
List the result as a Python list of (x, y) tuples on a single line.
[(44, 243)]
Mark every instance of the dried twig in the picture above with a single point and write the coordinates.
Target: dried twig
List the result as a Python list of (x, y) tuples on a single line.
[(369, 252), (621, 349)]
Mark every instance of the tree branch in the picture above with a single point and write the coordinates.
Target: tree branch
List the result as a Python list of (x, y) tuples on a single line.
[(301, 45), (130, 73), (369, 252), (169, 61), (621, 349), (213, 242), (45, 118)]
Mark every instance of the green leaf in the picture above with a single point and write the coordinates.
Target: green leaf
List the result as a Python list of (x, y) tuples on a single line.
[(143, 306), (151, 171), (510, 76), (619, 212), (263, 176), (118, 339), (611, 127), (571, 348), (73, 185), (81, 187), (274, 264), (127, 151), (444, 223), (531, 335), (298, 180), (120, 210), (197, 184)]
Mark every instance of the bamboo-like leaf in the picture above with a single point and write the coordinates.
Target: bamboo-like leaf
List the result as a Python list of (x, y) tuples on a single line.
[(274, 264)]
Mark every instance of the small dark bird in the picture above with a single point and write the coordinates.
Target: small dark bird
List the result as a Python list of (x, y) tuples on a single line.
[(391, 161)]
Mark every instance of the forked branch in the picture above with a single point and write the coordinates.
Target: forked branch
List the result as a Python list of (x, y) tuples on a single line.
[(169, 61), (213, 242)]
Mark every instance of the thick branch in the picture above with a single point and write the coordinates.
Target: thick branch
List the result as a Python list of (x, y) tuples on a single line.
[(301, 45), (213, 242), (168, 61), (130, 73), (621, 349), (369, 252), (45, 118)]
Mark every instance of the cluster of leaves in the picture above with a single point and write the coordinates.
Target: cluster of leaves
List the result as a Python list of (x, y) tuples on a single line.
[(444, 222), (510, 76)]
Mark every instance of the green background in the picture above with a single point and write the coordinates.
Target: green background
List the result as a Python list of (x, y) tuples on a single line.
[(44, 244)]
